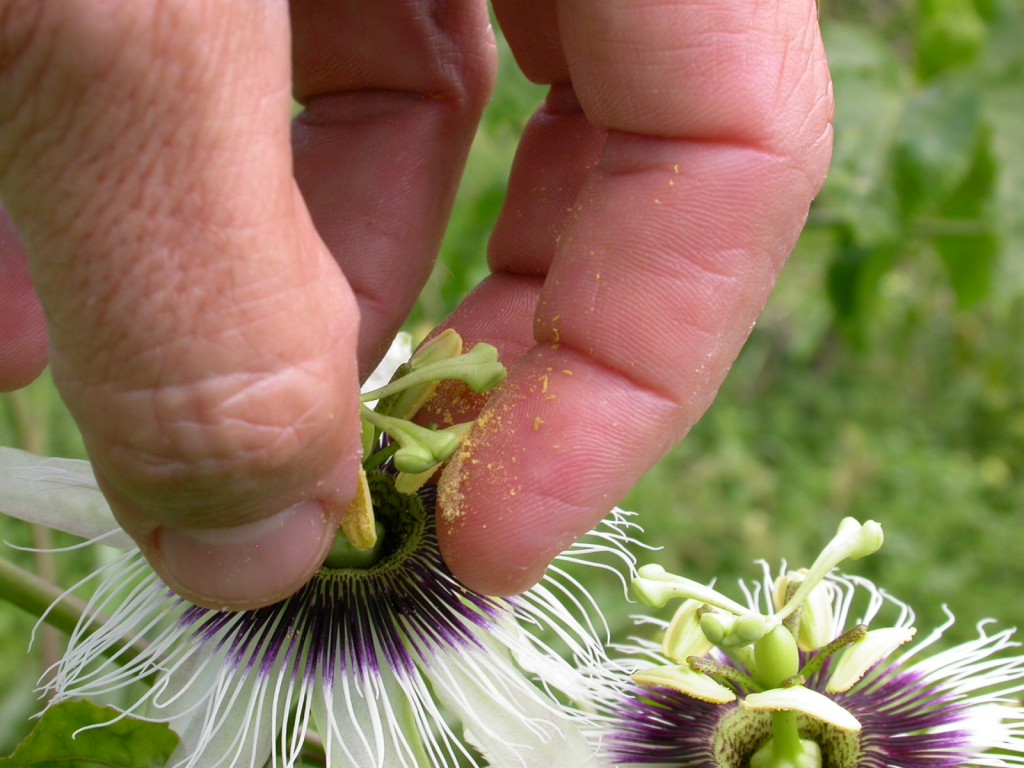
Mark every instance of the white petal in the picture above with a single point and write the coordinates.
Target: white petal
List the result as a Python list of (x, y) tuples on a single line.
[(371, 721), (401, 349), (994, 727), (504, 715), (57, 493), (539, 661), (223, 716), (800, 699)]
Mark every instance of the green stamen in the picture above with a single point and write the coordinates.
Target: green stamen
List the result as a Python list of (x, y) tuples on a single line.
[(478, 369), (851, 542), (720, 671), (818, 660), (654, 586), (420, 448)]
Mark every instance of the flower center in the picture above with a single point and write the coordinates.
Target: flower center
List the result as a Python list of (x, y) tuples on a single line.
[(399, 519), (402, 456), (741, 734)]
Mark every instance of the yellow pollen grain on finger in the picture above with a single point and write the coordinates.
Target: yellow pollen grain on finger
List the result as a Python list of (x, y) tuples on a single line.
[(451, 500), (484, 435), (538, 422)]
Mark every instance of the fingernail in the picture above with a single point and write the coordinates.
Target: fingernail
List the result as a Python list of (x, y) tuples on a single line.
[(250, 565)]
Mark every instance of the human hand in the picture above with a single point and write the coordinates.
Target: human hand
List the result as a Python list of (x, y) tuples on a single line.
[(652, 203), (206, 341)]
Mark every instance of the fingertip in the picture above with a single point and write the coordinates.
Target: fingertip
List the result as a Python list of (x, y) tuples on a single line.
[(23, 352), (554, 450), (23, 334), (466, 547), (497, 581), (485, 533), (248, 566)]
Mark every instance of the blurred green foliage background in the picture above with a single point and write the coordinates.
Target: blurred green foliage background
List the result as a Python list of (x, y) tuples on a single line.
[(884, 380)]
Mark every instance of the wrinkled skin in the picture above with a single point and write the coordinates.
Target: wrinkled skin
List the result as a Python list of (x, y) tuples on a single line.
[(217, 277)]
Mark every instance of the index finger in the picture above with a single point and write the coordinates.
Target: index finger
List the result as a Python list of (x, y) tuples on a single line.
[(717, 117)]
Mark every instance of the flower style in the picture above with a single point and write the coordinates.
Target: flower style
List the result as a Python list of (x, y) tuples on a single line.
[(783, 680), (380, 654)]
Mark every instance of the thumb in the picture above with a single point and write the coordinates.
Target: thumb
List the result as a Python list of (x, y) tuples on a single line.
[(201, 334)]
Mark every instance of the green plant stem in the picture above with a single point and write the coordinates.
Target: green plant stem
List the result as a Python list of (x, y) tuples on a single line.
[(32, 424), (786, 749), (46, 567), (42, 599), (786, 736)]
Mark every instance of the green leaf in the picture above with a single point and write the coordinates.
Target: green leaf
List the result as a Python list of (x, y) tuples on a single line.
[(968, 240), (935, 146), (58, 741), (1003, 111), (853, 280), (871, 86), (971, 262), (950, 35)]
